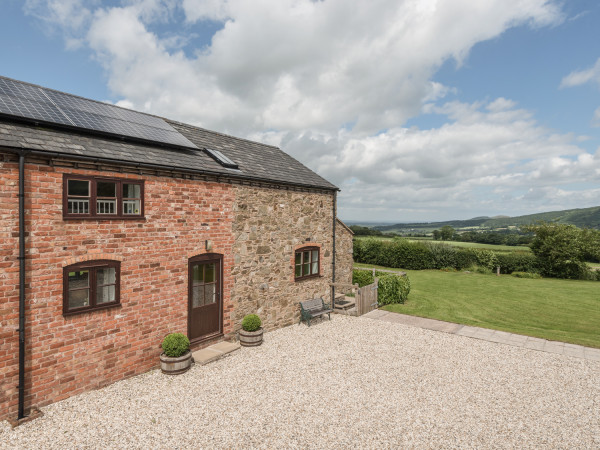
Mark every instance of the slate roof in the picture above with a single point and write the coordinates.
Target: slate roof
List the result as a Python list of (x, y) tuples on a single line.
[(256, 161)]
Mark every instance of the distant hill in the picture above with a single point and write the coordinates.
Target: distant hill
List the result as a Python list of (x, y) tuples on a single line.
[(583, 218)]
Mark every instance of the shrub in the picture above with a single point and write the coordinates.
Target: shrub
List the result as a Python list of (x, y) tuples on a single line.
[(413, 255), (362, 277), (562, 249), (175, 344), (442, 255), (251, 322), (392, 288), (526, 275), (478, 269), (486, 258), (370, 251), (464, 258), (518, 262)]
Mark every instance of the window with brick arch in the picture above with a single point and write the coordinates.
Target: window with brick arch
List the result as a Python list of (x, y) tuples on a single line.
[(91, 285), (307, 262), (86, 197)]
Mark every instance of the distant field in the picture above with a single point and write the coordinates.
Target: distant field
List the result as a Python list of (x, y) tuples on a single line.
[(498, 248), (559, 310)]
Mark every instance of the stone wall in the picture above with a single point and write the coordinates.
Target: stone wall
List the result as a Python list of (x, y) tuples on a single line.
[(343, 253), (268, 225)]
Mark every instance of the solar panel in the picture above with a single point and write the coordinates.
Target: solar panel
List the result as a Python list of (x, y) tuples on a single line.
[(44, 105), (221, 158)]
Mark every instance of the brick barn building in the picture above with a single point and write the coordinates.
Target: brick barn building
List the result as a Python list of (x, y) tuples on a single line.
[(117, 228)]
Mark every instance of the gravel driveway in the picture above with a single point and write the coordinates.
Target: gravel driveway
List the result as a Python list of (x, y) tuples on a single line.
[(352, 382)]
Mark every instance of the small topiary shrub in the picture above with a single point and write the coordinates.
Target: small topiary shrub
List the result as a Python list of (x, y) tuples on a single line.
[(526, 275), (251, 322), (175, 345)]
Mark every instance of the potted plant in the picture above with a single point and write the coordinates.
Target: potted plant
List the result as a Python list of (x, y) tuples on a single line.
[(251, 333), (176, 357)]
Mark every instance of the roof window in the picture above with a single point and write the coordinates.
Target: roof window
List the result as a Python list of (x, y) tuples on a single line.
[(221, 158)]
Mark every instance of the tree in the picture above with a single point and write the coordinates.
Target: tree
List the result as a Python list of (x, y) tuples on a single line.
[(436, 235), (446, 233), (561, 249)]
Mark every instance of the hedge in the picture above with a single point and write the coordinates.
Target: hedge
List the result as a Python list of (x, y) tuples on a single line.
[(401, 253), (518, 262), (392, 288)]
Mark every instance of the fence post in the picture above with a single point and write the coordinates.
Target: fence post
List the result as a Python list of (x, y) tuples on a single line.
[(498, 271)]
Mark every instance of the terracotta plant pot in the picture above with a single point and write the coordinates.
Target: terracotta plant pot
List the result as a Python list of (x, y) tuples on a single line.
[(251, 338), (175, 365)]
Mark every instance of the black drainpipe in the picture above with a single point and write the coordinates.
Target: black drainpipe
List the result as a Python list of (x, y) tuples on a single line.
[(333, 253), (21, 329)]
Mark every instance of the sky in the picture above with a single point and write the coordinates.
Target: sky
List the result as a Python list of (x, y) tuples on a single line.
[(418, 110)]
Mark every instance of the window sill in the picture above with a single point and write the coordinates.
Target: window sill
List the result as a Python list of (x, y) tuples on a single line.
[(308, 277), (91, 310), (140, 218)]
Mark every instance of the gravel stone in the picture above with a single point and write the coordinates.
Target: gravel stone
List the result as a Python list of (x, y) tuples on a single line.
[(350, 382)]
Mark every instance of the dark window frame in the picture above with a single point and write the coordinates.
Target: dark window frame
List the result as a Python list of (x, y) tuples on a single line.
[(92, 214), (92, 267), (301, 250)]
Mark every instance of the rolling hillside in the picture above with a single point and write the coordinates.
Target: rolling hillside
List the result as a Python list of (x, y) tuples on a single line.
[(584, 218)]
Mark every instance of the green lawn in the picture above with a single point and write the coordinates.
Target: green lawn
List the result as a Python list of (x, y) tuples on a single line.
[(558, 310)]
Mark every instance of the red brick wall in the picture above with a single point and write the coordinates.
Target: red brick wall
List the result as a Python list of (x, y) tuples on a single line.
[(70, 355)]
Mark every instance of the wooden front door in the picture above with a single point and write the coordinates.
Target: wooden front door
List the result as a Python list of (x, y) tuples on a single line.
[(205, 305)]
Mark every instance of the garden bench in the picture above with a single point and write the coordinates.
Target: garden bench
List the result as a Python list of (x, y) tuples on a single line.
[(309, 309)]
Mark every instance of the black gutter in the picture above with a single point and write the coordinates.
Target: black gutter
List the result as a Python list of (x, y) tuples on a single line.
[(333, 253), (21, 329), (119, 162)]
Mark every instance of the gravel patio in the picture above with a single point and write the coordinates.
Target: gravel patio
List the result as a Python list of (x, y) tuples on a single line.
[(351, 382)]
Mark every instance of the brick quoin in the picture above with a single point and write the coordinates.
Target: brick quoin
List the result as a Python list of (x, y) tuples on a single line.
[(69, 355)]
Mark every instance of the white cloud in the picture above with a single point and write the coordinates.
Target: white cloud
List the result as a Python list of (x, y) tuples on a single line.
[(484, 160), (596, 119), (577, 78), (333, 83), (198, 10), (69, 16), (293, 64)]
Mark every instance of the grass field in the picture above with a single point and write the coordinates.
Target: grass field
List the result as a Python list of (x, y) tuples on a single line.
[(498, 248), (558, 310)]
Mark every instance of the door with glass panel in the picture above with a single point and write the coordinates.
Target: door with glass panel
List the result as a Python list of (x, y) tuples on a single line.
[(205, 317)]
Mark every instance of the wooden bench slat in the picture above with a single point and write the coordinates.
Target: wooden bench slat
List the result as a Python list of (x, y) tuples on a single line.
[(313, 308)]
